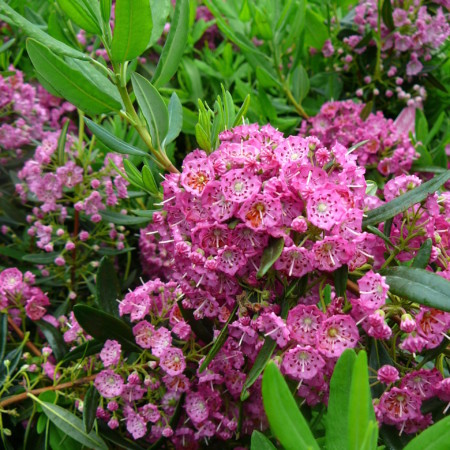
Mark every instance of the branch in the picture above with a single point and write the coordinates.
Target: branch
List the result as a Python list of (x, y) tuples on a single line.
[(33, 349), (20, 397)]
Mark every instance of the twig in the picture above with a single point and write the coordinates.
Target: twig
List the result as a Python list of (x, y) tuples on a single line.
[(20, 397), (33, 349)]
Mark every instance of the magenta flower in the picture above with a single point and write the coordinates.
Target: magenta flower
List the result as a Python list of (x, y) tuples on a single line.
[(303, 323), (399, 405), (196, 407), (373, 291), (239, 185), (143, 333), (387, 374), (302, 363), (332, 252), (261, 212), (324, 208), (294, 261), (336, 334), (230, 259), (172, 361), (110, 354), (109, 383)]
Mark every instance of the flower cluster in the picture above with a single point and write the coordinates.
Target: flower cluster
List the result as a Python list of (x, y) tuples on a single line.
[(389, 147), (18, 295), (26, 114), (67, 198), (416, 34)]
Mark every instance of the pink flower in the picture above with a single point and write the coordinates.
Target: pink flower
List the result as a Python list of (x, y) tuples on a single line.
[(261, 212), (303, 323), (373, 291), (109, 384), (136, 425), (172, 361), (387, 374), (110, 354), (143, 332), (294, 261), (332, 252), (398, 405), (196, 407), (336, 334), (239, 185), (230, 259), (302, 363)]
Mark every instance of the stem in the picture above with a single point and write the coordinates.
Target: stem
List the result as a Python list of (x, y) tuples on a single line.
[(160, 156), (33, 349), (376, 75), (23, 396), (76, 227)]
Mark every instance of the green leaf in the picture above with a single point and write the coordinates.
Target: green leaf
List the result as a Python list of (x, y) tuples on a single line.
[(435, 128), (85, 13), (107, 287), (105, 9), (3, 334), (90, 404), (35, 32), (386, 14), (286, 420), (316, 32), (160, 10), (82, 351), (422, 258), (340, 280), (113, 142), (405, 201), (103, 326), (72, 82), (259, 365), (175, 119), (61, 152), (71, 425), (132, 29), (14, 357), (435, 437), (149, 180), (122, 219), (60, 440), (365, 112), (174, 47), (54, 338), (242, 111), (41, 258), (152, 106), (421, 126), (218, 343), (261, 442), (337, 421), (360, 410), (300, 83), (418, 285), (270, 254)]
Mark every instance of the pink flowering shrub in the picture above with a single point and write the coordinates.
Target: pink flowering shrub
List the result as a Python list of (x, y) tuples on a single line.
[(389, 148), (26, 113), (417, 33), (18, 296)]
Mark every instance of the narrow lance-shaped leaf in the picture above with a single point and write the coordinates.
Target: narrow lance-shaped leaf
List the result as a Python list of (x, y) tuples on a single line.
[(422, 257), (71, 425), (405, 201), (435, 437), (419, 286), (85, 13), (82, 351), (338, 404), (54, 338), (149, 180), (113, 142), (174, 47), (218, 343), (71, 82), (286, 420), (103, 326), (260, 442), (31, 30), (132, 29), (152, 106), (3, 333), (90, 405), (175, 119), (386, 14), (107, 287), (160, 11), (62, 143), (360, 411), (271, 253)]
